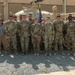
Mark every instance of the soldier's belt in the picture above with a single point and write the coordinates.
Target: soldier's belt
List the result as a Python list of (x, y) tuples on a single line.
[(10, 35), (71, 33), (48, 34), (58, 31)]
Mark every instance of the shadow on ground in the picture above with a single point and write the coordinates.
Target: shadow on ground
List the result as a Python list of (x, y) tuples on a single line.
[(63, 62)]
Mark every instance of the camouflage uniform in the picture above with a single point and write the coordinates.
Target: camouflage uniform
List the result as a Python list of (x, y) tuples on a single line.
[(30, 40), (48, 36), (18, 37), (31, 21), (70, 34), (10, 30), (24, 34), (58, 28), (36, 37)]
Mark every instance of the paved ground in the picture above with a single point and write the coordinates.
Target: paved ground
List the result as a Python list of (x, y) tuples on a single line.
[(36, 65)]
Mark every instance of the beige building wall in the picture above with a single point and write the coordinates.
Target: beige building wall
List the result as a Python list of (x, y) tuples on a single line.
[(70, 9), (17, 5)]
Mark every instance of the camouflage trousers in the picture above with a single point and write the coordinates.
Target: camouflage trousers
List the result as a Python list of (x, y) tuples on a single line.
[(11, 43), (71, 42), (3, 42), (58, 42), (18, 42), (25, 44), (36, 44), (48, 43)]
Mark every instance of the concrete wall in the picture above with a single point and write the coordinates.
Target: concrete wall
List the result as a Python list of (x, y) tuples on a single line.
[(70, 9), (49, 8), (57, 2), (15, 7)]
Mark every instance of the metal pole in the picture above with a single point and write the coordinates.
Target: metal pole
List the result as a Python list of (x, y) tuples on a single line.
[(3, 10), (65, 6)]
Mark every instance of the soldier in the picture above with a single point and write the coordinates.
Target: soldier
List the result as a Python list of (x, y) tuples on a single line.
[(58, 28), (30, 20), (15, 18), (18, 34), (10, 30), (2, 36), (36, 36), (48, 35), (20, 17), (24, 33), (70, 33)]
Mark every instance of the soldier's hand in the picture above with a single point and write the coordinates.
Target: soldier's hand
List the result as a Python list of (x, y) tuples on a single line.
[(18, 31), (19, 34), (10, 34), (35, 36), (53, 38)]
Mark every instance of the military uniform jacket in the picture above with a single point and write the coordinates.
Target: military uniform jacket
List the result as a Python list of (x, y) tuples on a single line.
[(10, 27), (30, 20), (24, 28), (70, 27), (36, 30), (48, 29), (58, 27)]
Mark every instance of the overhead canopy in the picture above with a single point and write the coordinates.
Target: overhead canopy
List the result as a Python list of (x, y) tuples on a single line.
[(65, 15), (34, 12)]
